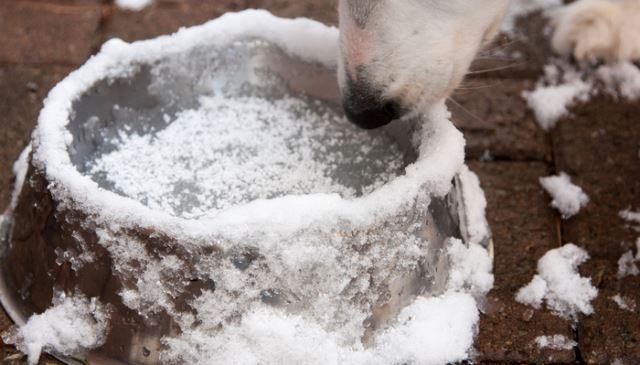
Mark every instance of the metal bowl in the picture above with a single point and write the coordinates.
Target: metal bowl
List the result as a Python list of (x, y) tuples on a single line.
[(54, 214)]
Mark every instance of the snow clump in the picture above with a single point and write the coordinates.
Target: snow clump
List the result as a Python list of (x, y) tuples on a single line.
[(70, 327), (555, 342), (568, 198), (559, 284)]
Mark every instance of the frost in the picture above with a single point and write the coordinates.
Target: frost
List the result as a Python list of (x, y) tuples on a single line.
[(559, 284), (555, 342), (624, 303), (71, 326), (567, 197), (134, 5)]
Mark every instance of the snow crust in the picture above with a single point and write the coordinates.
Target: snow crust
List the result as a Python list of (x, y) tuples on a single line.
[(291, 279), (134, 5), (555, 342), (70, 327), (559, 285), (567, 197), (563, 86)]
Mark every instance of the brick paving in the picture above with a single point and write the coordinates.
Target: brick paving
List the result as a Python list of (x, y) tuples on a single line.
[(42, 40)]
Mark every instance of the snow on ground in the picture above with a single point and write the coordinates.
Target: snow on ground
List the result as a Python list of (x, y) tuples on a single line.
[(559, 285), (71, 326), (521, 8), (134, 5), (624, 303), (628, 262), (555, 93), (555, 342), (563, 86), (568, 198)]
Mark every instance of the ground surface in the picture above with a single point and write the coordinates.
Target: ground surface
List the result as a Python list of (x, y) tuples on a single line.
[(42, 40)]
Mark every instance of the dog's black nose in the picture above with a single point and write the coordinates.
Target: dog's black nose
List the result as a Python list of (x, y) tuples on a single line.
[(371, 115), (366, 108)]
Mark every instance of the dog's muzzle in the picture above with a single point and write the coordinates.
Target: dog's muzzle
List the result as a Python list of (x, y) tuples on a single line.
[(365, 107)]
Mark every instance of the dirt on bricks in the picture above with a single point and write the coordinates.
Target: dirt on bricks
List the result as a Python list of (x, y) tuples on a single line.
[(598, 145)]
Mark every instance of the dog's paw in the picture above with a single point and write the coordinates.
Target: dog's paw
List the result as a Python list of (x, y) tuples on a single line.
[(598, 30)]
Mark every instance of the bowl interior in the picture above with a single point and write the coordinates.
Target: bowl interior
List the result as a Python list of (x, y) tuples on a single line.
[(154, 103)]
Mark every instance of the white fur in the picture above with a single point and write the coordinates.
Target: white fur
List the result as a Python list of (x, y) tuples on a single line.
[(416, 52), (591, 30)]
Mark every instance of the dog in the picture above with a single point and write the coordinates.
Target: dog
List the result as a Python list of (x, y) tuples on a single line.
[(407, 55)]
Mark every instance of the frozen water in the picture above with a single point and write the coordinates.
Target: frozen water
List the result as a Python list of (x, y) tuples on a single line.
[(555, 342), (71, 326), (135, 5), (624, 303), (559, 89), (568, 198), (521, 8), (628, 262), (559, 284), (232, 150), (563, 86)]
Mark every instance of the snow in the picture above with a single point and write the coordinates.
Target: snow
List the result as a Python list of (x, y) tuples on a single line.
[(71, 326), (624, 303), (568, 198), (628, 263), (243, 148), (554, 94), (134, 5), (288, 278), (563, 86), (521, 8), (477, 227), (434, 331), (559, 285), (471, 268), (630, 216), (621, 79), (555, 342)]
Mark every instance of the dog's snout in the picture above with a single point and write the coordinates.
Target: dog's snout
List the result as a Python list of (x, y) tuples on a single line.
[(367, 109)]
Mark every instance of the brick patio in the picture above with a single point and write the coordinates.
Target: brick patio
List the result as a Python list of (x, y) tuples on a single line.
[(42, 40)]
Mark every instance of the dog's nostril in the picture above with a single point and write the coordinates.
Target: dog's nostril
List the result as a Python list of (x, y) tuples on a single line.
[(392, 109)]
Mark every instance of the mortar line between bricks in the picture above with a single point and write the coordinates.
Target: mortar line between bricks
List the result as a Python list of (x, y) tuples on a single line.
[(560, 236)]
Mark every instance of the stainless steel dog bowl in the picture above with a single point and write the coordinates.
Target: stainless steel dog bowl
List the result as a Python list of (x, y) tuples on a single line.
[(61, 209)]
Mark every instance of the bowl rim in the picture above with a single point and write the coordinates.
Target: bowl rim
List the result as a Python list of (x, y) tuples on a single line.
[(440, 151)]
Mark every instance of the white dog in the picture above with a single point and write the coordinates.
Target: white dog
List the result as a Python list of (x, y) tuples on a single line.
[(405, 55)]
